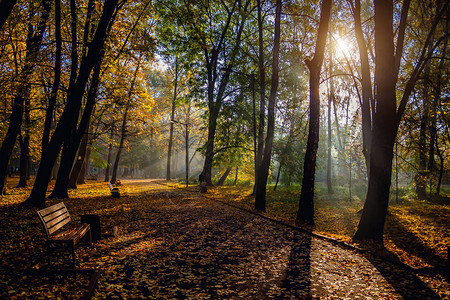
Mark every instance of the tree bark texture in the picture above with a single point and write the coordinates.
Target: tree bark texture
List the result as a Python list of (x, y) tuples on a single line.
[(306, 203)]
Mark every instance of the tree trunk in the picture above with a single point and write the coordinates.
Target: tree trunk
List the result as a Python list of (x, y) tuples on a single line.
[(262, 94), (84, 168), (384, 128), (57, 78), (110, 146), (172, 116), (66, 122), (306, 202), (263, 170), (33, 46), (366, 85), (124, 125), (80, 160), (25, 144), (330, 102), (224, 176), (119, 150), (215, 99), (72, 143)]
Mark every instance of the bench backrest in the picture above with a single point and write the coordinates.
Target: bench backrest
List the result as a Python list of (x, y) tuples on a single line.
[(54, 217)]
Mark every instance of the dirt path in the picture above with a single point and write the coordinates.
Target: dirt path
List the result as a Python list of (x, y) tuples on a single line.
[(180, 247)]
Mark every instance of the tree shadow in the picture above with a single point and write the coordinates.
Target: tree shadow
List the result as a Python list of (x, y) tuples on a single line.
[(404, 281), (296, 283), (405, 239)]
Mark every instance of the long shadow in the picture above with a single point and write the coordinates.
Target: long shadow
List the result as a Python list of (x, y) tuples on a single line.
[(405, 282), (411, 243), (297, 281)]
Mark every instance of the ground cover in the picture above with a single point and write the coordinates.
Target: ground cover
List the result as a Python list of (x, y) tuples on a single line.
[(170, 240), (416, 232)]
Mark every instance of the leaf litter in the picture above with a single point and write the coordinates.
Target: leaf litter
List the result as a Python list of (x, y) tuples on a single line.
[(174, 245)]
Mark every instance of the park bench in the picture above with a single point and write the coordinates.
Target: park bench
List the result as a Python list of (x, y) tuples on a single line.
[(114, 191), (54, 218)]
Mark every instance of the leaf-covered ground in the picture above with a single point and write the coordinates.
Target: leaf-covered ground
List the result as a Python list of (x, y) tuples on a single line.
[(416, 232), (177, 244)]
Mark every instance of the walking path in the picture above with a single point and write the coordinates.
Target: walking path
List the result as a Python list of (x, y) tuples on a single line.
[(181, 247)]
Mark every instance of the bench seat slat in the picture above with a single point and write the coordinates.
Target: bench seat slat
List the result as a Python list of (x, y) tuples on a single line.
[(57, 223), (71, 235)]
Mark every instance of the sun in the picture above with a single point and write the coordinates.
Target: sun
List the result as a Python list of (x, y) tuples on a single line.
[(343, 47)]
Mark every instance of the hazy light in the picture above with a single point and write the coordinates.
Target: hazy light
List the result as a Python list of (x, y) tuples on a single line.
[(343, 47)]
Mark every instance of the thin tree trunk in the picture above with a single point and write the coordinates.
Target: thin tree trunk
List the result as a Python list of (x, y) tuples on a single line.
[(57, 78), (25, 145), (224, 176), (366, 85), (306, 203), (33, 46), (215, 99), (262, 94), (119, 150), (330, 102), (80, 161), (263, 170), (110, 146), (82, 175), (172, 116), (124, 126), (236, 176)]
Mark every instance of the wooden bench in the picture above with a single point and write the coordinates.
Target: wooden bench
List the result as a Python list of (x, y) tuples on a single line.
[(54, 218), (114, 191)]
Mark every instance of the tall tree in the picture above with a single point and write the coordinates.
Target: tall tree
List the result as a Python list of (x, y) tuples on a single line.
[(306, 203), (387, 115), (262, 93), (172, 116), (57, 77), (74, 97), (263, 171), (33, 45), (368, 105)]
